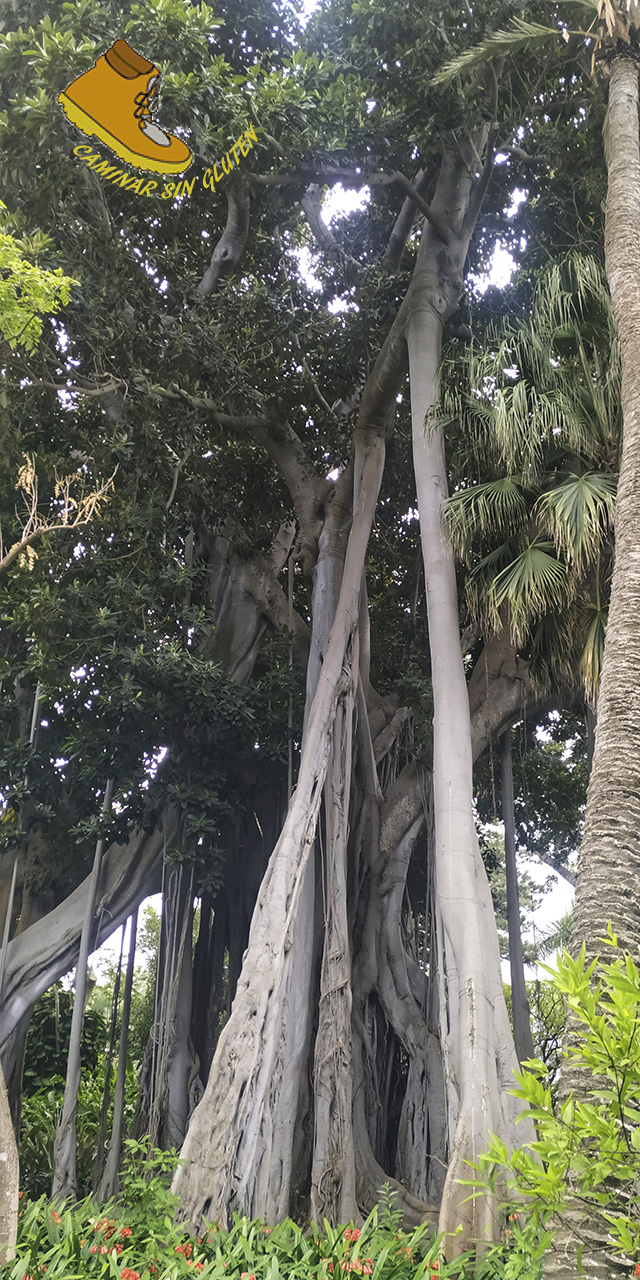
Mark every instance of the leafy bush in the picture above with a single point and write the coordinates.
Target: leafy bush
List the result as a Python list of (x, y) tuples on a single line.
[(587, 1152), (48, 1039), (39, 1121)]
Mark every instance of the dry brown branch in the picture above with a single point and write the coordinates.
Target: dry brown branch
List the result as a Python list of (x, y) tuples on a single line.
[(74, 513)]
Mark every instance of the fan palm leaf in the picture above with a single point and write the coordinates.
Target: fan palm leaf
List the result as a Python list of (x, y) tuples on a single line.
[(577, 514), (497, 507), (531, 585)]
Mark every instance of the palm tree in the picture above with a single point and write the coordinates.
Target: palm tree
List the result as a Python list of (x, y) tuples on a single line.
[(540, 416)]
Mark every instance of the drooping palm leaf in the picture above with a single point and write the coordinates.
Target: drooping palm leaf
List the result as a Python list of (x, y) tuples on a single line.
[(595, 616), (498, 507)]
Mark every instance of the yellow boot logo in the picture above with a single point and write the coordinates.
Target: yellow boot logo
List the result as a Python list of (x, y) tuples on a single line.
[(116, 101)]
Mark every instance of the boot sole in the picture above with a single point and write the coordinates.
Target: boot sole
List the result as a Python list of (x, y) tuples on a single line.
[(92, 129)]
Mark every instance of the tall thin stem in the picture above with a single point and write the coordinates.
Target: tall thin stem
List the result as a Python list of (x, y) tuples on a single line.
[(64, 1149)]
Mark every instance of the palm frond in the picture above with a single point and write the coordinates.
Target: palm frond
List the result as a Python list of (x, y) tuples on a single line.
[(577, 514), (520, 35), (498, 507), (479, 594), (593, 652), (534, 583), (551, 651)]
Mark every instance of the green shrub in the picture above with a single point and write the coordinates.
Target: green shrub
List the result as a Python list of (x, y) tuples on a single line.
[(48, 1039), (39, 1121), (587, 1152)]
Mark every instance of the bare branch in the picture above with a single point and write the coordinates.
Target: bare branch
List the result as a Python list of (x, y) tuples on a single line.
[(75, 512), (180, 462), (354, 178), (480, 189)]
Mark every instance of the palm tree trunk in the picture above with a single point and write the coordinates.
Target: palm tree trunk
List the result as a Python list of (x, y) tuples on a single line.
[(519, 1002), (608, 886), (608, 882)]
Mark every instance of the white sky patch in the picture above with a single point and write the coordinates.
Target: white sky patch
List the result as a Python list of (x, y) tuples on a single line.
[(518, 197), (341, 304), (555, 904), (501, 268), (306, 264), (338, 202)]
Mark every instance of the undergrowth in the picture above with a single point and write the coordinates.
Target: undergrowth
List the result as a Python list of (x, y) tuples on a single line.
[(136, 1238)]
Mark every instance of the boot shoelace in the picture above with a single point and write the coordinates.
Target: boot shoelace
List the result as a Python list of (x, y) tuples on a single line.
[(146, 106)]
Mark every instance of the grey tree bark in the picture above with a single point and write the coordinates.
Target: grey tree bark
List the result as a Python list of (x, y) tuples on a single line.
[(9, 1180), (477, 1044), (64, 1147), (108, 1184), (608, 880)]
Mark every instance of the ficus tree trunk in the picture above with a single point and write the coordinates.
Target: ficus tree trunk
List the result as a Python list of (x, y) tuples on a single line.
[(238, 1151), (519, 1002), (9, 1180), (239, 1146), (478, 1052), (608, 880), (108, 1184)]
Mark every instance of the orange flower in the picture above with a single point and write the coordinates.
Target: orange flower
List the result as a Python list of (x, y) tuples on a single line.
[(55, 1216), (353, 1234), (128, 1274), (125, 1231), (636, 1273)]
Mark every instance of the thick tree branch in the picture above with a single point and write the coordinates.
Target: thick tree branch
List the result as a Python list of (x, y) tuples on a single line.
[(566, 872), (355, 178), (228, 250), (480, 190), (405, 220), (312, 205)]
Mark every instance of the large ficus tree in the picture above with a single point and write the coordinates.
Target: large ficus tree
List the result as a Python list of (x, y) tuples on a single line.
[(253, 412)]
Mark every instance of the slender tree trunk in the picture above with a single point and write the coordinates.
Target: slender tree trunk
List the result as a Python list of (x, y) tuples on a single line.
[(108, 1185), (608, 881), (519, 1001), (479, 1055), (64, 1149), (9, 1180), (100, 1156)]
